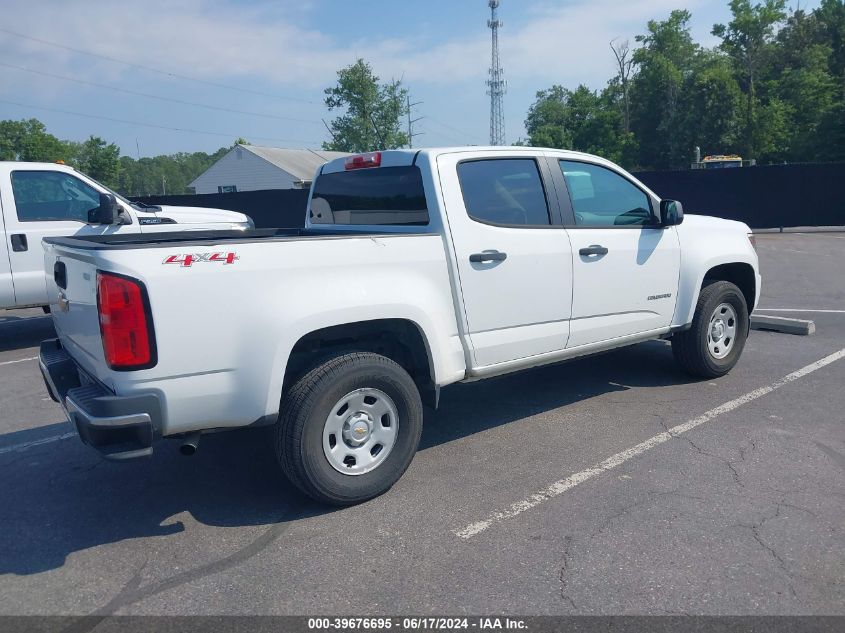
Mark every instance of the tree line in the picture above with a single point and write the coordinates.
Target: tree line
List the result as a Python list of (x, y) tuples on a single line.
[(773, 90), (29, 140)]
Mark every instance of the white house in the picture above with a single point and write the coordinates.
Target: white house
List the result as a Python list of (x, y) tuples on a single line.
[(250, 168)]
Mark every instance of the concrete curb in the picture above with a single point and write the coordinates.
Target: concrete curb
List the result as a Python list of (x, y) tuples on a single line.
[(802, 229), (783, 325)]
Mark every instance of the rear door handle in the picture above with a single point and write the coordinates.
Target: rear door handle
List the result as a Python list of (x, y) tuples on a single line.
[(595, 249), (488, 256), (19, 244)]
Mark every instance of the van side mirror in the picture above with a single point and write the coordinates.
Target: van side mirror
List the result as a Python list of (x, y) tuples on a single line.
[(106, 213), (671, 213)]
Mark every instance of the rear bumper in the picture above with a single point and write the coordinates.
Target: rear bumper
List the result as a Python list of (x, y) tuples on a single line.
[(119, 427)]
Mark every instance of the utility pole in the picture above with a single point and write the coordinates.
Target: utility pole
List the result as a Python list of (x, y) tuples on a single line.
[(496, 84), (163, 185), (411, 133)]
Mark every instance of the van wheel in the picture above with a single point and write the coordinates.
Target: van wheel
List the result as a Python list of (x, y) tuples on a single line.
[(349, 428), (714, 343)]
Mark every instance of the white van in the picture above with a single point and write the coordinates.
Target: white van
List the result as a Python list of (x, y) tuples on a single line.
[(40, 200)]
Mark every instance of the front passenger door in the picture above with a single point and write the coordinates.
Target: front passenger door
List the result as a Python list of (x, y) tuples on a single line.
[(625, 265)]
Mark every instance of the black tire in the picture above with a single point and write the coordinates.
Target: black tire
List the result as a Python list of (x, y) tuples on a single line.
[(691, 349), (305, 407)]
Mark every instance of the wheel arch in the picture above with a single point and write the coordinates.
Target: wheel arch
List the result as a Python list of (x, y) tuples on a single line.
[(399, 339), (739, 274), (693, 279)]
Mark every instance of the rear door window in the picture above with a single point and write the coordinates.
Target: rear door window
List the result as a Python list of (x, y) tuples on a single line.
[(506, 192), (390, 196)]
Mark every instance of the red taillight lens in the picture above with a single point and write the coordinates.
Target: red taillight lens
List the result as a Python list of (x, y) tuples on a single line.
[(128, 339), (363, 161)]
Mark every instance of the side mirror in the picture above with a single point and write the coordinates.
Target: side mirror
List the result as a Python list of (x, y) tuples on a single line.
[(106, 213), (671, 212)]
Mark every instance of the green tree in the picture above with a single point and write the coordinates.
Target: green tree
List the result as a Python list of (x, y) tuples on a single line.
[(831, 17), (801, 78), (582, 120), (28, 140), (666, 56), (831, 134), (373, 111), (710, 109), (748, 40), (99, 159)]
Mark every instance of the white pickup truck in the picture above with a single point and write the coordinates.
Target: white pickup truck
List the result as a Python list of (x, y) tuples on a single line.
[(39, 200), (415, 270)]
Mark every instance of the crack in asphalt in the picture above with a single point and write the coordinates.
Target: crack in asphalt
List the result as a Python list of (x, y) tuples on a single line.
[(730, 464), (837, 457), (755, 532), (564, 569), (132, 592)]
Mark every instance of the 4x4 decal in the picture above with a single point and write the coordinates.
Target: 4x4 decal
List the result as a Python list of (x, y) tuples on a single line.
[(189, 259)]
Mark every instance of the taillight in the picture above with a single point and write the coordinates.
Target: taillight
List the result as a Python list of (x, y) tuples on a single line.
[(125, 323), (363, 161)]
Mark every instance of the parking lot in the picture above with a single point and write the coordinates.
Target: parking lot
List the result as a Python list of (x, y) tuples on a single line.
[(554, 491)]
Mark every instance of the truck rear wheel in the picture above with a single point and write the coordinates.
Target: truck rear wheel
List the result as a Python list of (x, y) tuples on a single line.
[(714, 343), (349, 428)]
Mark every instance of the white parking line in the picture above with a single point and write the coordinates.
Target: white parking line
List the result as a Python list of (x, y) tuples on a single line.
[(559, 487), (44, 440), (20, 360), (798, 310)]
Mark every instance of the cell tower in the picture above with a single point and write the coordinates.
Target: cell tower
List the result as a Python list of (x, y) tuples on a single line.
[(496, 85)]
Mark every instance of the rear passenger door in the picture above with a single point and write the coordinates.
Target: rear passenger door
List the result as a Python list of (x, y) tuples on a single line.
[(513, 258)]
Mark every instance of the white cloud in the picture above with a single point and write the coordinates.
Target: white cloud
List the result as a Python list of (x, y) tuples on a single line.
[(558, 42)]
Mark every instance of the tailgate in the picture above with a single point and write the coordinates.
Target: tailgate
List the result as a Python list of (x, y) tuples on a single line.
[(72, 292)]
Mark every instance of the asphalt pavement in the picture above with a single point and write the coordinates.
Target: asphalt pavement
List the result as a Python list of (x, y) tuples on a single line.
[(559, 490)]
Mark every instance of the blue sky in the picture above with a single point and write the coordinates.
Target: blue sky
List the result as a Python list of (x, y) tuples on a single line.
[(275, 57)]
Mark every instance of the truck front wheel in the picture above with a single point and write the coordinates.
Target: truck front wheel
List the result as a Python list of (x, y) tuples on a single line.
[(714, 343), (349, 428)]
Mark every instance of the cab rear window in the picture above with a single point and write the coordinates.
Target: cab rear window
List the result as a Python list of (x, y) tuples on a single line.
[(382, 196)]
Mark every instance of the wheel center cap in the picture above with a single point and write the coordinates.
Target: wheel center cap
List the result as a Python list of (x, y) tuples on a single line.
[(718, 330), (357, 429)]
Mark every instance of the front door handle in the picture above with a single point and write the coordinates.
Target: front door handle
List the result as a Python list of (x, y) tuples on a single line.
[(488, 256), (595, 249), (19, 244)]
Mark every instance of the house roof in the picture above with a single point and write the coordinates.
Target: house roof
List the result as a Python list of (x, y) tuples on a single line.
[(300, 163)]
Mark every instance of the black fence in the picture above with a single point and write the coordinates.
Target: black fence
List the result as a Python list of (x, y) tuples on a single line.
[(271, 208), (762, 197)]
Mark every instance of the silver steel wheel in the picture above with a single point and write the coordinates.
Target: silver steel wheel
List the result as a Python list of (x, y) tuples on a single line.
[(360, 431), (721, 333)]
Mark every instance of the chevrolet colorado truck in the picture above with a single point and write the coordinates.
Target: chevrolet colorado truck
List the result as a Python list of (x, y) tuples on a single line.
[(415, 270), (38, 200)]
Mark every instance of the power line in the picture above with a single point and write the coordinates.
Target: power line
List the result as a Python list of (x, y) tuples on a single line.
[(159, 71), (153, 125), (451, 139), (454, 129), (152, 96), (411, 133)]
